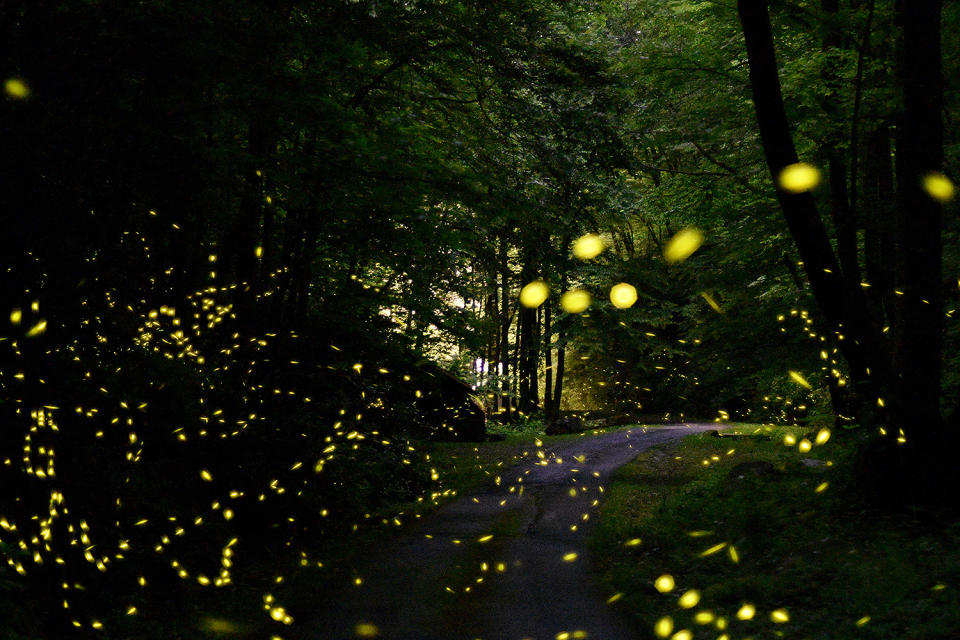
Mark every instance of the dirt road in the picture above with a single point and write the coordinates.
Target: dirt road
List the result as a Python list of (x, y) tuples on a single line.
[(447, 580)]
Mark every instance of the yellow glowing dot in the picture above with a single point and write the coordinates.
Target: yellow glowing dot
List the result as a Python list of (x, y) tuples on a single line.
[(710, 301), (664, 583), (570, 557), (575, 301), (779, 616), (682, 245), (16, 316), (938, 186), (614, 598), (822, 487), (485, 538), (712, 550), (799, 379), (16, 89), (734, 556), (799, 177), (862, 621), (789, 439), (664, 627), (632, 542), (880, 402), (534, 294), (804, 446), (258, 252), (822, 436), (588, 246), (623, 295), (366, 630), (37, 329), (683, 634), (689, 599), (206, 475), (746, 611), (703, 617)]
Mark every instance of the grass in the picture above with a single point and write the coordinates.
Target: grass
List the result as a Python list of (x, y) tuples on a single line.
[(836, 568)]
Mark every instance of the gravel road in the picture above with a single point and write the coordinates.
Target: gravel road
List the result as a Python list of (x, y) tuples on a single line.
[(531, 580)]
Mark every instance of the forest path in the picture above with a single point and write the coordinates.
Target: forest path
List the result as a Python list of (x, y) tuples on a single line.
[(440, 582)]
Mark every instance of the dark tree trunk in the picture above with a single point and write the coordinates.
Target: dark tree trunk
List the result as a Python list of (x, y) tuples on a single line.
[(547, 359), (840, 300), (919, 152), (505, 325), (561, 349), (840, 210), (879, 224), (527, 349)]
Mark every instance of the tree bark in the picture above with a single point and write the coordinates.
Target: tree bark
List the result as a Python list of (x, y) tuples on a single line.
[(505, 325), (840, 300), (548, 359), (919, 152)]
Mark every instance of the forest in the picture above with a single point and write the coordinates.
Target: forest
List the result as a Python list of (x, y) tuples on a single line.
[(274, 270)]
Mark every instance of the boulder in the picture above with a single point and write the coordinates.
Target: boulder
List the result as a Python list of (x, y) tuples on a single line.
[(570, 424), (752, 468), (448, 405)]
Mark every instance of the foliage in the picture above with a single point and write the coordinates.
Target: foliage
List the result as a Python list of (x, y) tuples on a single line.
[(835, 565)]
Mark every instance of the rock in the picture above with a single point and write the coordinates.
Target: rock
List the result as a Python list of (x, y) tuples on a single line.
[(565, 425), (812, 462), (450, 407), (753, 468)]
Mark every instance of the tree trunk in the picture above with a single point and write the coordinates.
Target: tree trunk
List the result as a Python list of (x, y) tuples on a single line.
[(919, 152), (561, 350), (547, 360), (840, 210), (505, 326), (840, 300)]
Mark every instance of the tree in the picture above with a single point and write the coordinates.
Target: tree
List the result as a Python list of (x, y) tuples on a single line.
[(905, 377)]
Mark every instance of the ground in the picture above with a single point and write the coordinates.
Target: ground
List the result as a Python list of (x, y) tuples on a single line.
[(507, 561)]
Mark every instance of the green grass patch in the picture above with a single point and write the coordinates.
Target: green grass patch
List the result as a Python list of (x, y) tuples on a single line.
[(836, 568)]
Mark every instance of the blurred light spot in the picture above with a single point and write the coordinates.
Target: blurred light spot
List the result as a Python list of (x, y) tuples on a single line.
[(534, 294), (623, 295), (16, 89), (780, 616), (682, 245), (938, 186), (588, 246), (366, 630), (746, 611), (664, 583), (689, 599), (799, 177), (799, 379), (664, 627), (575, 300)]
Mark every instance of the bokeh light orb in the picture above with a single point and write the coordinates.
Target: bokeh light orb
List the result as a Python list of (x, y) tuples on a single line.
[(588, 246), (534, 294), (623, 295), (799, 177), (576, 300)]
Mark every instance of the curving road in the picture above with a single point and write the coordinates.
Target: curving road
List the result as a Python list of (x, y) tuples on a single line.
[(530, 580)]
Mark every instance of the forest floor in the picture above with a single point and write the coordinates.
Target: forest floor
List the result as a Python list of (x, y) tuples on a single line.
[(506, 561)]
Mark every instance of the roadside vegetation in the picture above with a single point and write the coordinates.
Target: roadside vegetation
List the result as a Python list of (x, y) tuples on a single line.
[(761, 539)]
